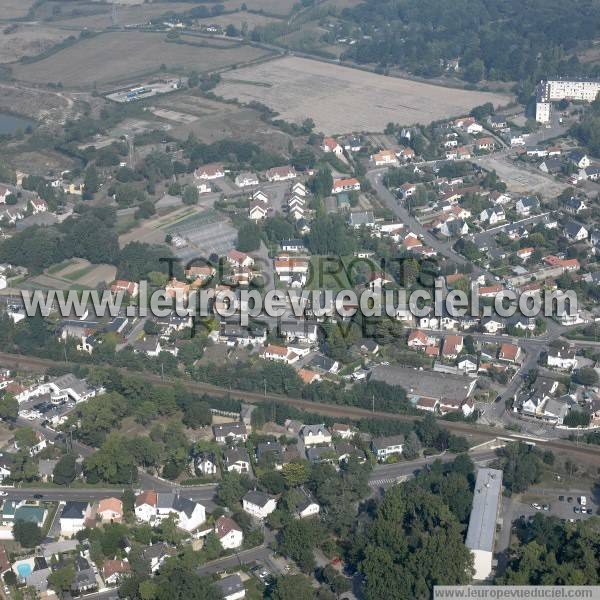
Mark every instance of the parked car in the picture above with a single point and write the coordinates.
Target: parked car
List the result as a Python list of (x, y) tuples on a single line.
[(561, 498), (576, 510), (570, 499)]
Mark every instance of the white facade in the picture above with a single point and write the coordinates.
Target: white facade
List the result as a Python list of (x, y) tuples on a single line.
[(555, 90)]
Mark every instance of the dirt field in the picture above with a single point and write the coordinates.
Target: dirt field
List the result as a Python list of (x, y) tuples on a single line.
[(14, 9), (522, 180), (341, 99), (101, 60)]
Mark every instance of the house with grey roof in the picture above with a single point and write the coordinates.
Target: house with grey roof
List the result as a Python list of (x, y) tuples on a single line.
[(313, 435), (259, 504), (383, 447), (236, 459), (575, 231), (230, 432), (361, 218), (481, 533), (231, 587)]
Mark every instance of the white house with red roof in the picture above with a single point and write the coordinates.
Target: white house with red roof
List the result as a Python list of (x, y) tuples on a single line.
[(239, 259), (345, 185), (453, 345), (131, 288), (330, 145), (384, 158), (210, 171)]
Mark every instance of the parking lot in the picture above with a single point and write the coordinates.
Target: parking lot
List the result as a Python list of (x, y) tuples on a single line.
[(562, 504)]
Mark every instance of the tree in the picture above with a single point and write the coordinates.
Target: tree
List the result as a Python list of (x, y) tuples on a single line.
[(61, 580), (9, 408), (91, 182), (27, 533), (322, 183), (191, 195), (248, 237), (414, 541), (412, 447), (585, 376), (293, 587), (232, 488), (298, 540), (65, 470), (295, 473)]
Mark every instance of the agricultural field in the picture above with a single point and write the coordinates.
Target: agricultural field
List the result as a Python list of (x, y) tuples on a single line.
[(100, 60), (72, 274), (14, 9), (29, 40), (237, 19), (340, 99)]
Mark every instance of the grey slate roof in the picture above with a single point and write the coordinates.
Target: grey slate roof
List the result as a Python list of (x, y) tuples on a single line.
[(257, 497)]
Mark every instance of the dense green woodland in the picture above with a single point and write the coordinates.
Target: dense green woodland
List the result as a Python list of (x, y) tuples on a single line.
[(513, 40)]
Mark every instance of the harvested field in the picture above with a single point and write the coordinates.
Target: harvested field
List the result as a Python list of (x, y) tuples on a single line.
[(238, 19), (123, 57), (75, 273), (268, 7), (29, 40), (340, 99)]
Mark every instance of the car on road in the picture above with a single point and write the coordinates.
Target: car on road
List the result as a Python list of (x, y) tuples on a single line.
[(576, 510), (38, 496), (498, 398), (545, 507), (3, 494), (536, 506)]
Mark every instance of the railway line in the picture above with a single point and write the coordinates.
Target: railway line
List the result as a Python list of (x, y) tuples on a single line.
[(331, 410)]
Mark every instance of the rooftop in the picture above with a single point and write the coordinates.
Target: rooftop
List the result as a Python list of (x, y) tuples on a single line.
[(486, 499)]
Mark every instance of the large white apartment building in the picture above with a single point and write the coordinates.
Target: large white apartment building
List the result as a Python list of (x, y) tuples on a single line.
[(555, 90)]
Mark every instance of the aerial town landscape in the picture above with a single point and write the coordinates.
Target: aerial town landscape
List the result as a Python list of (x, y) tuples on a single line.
[(298, 300)]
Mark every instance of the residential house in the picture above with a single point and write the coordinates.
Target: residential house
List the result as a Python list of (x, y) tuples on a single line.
[(492, 215), (345, 185), (575, 231), (206, 464), (236, 459), (226, 433), (497, 122), (231, 587), (209, 172), (551, 166), (561, 357), (239, 260), (492, 325), (307, 506), (281, 173), (453, 345), (189, 514), (384, 158), (313, 435), (466, 407), (419, 340), (342, 430), (580, 159), (467, 363), (293, 245), (73, 516), (110, 510), (229, 533), (246, 179), (484, 144), (361, 218), (257, 210), (509, 353), (258, 504), (300, 330), (383, 447), (526, 204), (330, 145), (131, 288), (113, 570), (574, 205), (157, 554), (145, 505), (38, 205), (454, 228)]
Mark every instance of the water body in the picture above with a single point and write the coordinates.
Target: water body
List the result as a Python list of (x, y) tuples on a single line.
[(11, 123)]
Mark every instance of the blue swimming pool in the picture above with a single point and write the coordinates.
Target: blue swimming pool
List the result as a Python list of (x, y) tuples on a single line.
[(24, 570)]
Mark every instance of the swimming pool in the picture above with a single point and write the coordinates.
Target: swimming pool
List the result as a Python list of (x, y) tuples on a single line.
[(24, 570)]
